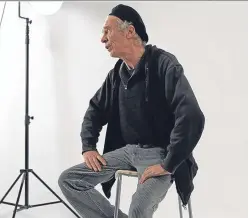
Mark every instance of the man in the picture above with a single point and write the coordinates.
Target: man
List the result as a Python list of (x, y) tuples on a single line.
[(154, 123)]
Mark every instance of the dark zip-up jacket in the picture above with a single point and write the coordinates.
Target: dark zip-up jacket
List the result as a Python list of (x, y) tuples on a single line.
[(170, 99)]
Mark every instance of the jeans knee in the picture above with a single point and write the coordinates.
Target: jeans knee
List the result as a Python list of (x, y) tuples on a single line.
[(62, 178), (74, 179)]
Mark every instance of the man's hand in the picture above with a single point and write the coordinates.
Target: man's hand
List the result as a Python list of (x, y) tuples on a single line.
[(93, 160), (152, 171)]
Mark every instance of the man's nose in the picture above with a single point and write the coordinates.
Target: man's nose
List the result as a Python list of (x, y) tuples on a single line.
[(103, 39)]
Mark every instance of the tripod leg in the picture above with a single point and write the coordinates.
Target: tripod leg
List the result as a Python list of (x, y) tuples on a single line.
[(54, 194), (11, 187), (18, 197)]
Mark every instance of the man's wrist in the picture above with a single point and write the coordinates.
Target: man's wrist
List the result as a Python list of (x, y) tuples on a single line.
[(162, 165)]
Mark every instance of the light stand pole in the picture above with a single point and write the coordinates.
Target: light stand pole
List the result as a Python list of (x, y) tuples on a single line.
[(24, 173)]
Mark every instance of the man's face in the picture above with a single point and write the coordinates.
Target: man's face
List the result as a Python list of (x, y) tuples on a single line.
[(114, 39)]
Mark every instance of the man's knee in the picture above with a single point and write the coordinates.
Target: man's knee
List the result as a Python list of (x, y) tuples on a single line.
[(63, 178), (75, 178)]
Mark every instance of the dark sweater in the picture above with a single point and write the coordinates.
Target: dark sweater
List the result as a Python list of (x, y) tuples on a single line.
[(132, 107)]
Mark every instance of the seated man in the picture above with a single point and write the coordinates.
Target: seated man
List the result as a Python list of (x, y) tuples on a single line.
[(154, 123)]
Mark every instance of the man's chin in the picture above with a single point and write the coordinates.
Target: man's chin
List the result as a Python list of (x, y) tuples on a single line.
[(112, 54)]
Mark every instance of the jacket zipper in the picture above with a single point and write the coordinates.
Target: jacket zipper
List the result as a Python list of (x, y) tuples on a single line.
[(146, 81)]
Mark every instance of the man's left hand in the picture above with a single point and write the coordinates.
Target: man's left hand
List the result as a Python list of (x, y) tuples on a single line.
[(152, 171)]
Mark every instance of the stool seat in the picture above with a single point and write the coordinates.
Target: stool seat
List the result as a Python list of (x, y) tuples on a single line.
[(130, 173)]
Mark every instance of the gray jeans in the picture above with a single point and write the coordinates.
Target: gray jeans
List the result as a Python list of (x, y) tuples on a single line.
[(77, 184)]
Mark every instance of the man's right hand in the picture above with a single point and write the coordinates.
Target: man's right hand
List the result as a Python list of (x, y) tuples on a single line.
[(93, 160)]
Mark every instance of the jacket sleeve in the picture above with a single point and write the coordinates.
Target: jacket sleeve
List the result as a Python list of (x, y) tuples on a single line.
[(189, 119), (96, 116)]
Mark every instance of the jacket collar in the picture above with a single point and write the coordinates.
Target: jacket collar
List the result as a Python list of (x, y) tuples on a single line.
[(149, 49), (148, 61)]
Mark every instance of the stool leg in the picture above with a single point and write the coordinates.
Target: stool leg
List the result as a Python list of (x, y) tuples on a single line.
[(118, 193), (190, 209), (180, 206)]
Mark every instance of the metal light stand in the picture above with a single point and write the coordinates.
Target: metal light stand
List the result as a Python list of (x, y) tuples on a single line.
[(24, 173)]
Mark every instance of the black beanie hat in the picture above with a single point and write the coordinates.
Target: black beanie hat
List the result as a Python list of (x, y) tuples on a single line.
[(129, 14)]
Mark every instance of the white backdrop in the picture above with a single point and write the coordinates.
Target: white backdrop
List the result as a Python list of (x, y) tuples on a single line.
[(67, 65)]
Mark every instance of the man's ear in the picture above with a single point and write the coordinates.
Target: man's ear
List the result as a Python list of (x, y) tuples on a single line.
[(130, 31)]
